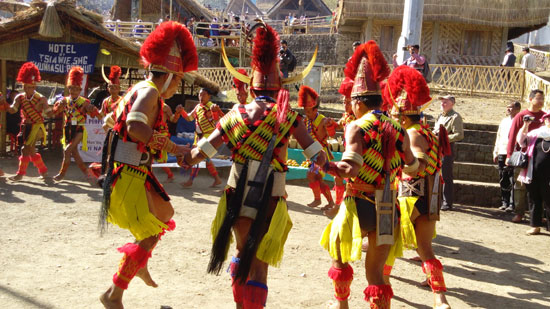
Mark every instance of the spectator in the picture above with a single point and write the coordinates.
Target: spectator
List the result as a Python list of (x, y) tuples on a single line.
[(528, 61), (202, 30), (536, 102), (191, 24), (452, 121), (537, 175), (139, 29), (509, 58), (415, 61), (355, 45), (214, 30), (288, 61), (506, 173)]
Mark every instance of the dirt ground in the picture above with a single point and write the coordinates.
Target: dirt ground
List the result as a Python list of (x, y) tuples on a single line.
[(52, 256)]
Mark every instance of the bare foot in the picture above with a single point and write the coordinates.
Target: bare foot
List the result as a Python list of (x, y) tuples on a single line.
[(335, 304), (314, 204), (216, 182), (534, 231), (110, 304), (424, 283), (58, 177), (328, 206), (16, 177), (331, 213), (43, 176), (416, 259), (143, 274), (441, 301), (187, 184)]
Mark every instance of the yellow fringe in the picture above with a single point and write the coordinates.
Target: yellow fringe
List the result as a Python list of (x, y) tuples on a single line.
[(271, 247), (84, 138), (406, 205), (34, 132), (345, 228), (396, 249), (129, 208)]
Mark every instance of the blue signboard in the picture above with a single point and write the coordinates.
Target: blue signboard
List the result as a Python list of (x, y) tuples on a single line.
[(58, 57)]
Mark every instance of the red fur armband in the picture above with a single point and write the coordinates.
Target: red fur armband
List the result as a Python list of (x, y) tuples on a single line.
[(331, 127), (160, 141)]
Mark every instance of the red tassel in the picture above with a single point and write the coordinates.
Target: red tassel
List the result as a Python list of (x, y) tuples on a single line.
[(238, 289), (23, 164), (255, 295), (444, 144), (434, 271), (171, 226), (341, 278), (387, 270), (325, 189), (379, 296), (36, 159), (211, 169), (388, 143), (282, 107)]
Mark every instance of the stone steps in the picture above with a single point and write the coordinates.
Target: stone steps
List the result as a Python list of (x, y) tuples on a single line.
[(469, 171), (475, 193), (475, 153), (479, 137)]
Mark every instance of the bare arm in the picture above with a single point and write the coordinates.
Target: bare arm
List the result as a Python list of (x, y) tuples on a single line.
[(195, 155), (354, 144), (146, 103), (305, 140), (46, 108), (418, 145)]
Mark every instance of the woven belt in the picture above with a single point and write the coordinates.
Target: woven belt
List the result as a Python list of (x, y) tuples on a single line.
[(128, 153)]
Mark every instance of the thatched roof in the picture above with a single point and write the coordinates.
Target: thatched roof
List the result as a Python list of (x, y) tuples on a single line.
[(191, 8), (13, 6), (496, 13), (310, 8), (79, 25), (241, 7)]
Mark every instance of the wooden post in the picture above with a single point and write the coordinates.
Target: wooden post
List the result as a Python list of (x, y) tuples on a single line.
[(412, 27), (3, 87), (503, 43), (435, 43)]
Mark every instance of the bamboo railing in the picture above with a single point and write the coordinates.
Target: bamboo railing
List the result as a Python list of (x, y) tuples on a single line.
[(130, 30), (456, 79), (532, 82)]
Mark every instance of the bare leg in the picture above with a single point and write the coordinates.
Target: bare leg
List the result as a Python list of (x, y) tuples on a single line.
[(67, 157), (424, 230), (316, 188)]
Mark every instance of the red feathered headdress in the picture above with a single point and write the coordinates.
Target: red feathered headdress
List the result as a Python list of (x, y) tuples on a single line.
[(28, 73), (406, 90), (115, 74), (345, 87), (307, 97), (169, 48), (76, 75), (367, 67), (239, 85), (265, 60)]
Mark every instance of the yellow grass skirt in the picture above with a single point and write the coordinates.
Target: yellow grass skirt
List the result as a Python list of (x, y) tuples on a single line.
[(36, 127), (129, 207)]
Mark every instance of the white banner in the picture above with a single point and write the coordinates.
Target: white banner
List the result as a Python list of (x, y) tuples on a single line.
[(96, 136)]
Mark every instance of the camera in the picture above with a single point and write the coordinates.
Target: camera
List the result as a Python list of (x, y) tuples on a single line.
[(528, 118)]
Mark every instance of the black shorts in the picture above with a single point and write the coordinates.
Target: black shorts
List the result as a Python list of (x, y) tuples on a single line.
[(366, 211), (24, 132), (422, 205), (71, 131)]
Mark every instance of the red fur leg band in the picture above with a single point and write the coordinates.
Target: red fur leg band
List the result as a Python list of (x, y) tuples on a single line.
[(168, 172), (339, 190), (23, 164), (171, 226), (316, 188), (211, 169), (434, 271), (325, 189), (254, 295), (379, 296), (36, 159), (341, 278), (134, 258), (238, 289)]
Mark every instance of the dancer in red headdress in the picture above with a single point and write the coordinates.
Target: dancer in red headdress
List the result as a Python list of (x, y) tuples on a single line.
[(113, 86), (419, 191), (133, 198), (75, 109), (253, 204), (377, 148), (320, 128), (32, 105)]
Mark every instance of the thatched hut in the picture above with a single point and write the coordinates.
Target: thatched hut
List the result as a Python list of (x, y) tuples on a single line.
[(311, 8), (243, 8), (153, 10), (457, 32)]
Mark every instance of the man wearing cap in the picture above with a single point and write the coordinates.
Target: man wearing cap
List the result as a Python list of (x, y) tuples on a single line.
[(415, 61), (133, 198), (75, 110), (32, 105), (452, 121), (253, 204), (506, 173), (528, 61), (377, 150), (206, 114)]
